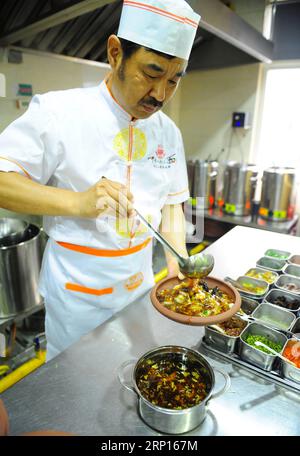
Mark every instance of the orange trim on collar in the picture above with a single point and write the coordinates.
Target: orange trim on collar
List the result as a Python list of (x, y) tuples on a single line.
[(105, 253), (116, 101)]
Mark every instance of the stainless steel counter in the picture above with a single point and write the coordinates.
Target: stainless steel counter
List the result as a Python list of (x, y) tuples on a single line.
[(78, 391)]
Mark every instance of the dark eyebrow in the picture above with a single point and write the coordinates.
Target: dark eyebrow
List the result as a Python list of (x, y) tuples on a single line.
[(157, 68), (181, 74), (154, 67)]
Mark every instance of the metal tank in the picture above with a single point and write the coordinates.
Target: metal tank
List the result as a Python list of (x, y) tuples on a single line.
[(20, 262), (205, 183), (278, 194), (240, 182)]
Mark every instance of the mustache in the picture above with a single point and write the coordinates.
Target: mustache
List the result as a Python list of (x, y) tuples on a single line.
[(152, 102)]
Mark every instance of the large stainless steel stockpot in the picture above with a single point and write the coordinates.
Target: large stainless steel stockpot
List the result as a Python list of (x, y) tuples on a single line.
[(278, 193), (205, 183), (171, 421), (19, 274), (239, 188)]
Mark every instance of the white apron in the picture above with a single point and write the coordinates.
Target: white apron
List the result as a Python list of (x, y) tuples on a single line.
[(83, 287)]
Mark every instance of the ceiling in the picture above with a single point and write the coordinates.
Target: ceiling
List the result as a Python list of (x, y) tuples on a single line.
[(80, 29)]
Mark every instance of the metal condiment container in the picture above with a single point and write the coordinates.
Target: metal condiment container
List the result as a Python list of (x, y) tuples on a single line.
[(262, 270), (240, 182), (205, 183), (222, 342), (287, 369), (270, 264), (296, 327), (271, 253), (274, 316), (278, 193), (292, 269), (295, 259), (285, 279), (290, 297), (256, 283), (255, 356), (171, 421), (248, 305)]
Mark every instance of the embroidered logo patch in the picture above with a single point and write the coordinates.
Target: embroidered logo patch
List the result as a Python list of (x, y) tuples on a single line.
[(161, 160), (134, 281), (139, 144)]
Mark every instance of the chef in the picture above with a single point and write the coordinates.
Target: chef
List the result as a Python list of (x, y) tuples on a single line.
[(85, 158)]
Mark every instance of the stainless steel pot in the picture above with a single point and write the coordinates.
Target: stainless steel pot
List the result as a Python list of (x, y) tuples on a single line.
[(239, 188), (190, 170), (278, 194), (205, 183), (166, 420), (12, 231), (19, 274)]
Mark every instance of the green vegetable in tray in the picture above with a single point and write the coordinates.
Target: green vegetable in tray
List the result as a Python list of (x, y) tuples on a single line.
[(252, 338), (276, 254)]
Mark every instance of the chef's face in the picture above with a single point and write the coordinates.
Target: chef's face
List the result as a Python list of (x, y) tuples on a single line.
[(144, 82)]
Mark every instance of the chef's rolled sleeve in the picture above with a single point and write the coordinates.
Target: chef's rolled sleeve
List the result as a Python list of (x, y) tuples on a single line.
[(179, 189), (29, 144)]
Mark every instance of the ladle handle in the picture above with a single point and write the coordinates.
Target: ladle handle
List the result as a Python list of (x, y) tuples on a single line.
[(163, 241)]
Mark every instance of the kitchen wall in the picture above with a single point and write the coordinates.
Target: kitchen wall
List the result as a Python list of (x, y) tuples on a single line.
[(45, 73), (207, 101), (252, 11)]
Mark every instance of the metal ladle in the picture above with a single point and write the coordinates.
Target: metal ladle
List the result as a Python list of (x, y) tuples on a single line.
[(195, 267)]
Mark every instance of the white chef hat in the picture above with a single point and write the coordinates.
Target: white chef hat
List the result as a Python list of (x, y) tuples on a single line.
[(168, 26)]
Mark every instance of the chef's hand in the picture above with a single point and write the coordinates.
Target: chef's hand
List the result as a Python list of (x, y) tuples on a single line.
[(106, 196), (173, 269)]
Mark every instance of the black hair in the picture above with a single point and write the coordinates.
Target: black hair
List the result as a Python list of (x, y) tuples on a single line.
[(129, 48)]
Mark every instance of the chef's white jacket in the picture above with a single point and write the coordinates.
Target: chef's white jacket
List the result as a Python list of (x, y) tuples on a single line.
[(70, 139)]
